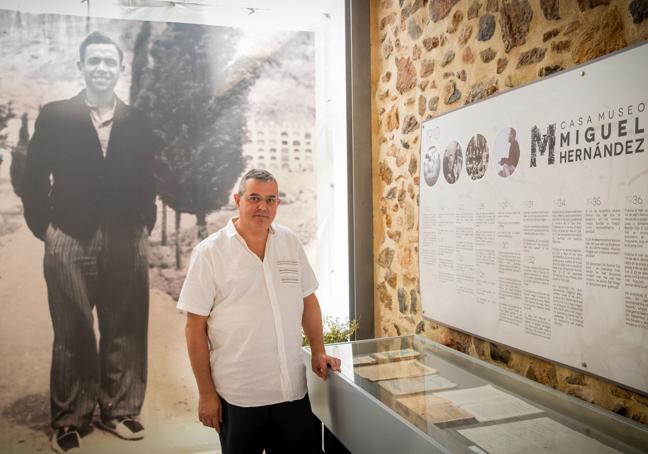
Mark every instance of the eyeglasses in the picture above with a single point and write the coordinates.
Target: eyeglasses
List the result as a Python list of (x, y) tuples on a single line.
[(254, 199)]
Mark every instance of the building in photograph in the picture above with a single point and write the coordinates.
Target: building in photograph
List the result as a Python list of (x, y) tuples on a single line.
[(280, 146)]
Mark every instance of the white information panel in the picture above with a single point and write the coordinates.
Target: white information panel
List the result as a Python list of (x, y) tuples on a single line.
[(534, 218)]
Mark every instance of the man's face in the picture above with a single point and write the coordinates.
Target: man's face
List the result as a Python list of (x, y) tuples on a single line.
[(255, 206), (101, 67)]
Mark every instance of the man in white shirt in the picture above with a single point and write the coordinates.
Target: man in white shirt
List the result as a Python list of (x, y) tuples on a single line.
[(248, 293)]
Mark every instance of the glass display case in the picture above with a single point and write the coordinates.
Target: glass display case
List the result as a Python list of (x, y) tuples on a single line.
[(411, 395)]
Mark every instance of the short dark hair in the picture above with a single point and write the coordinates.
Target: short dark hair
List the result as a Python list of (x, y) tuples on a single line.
[(255, 174), (99, 38)]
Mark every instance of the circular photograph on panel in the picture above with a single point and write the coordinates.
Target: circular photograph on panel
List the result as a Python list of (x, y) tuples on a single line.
[(506, 152), (431, 166), (477, 157), (452, 162)]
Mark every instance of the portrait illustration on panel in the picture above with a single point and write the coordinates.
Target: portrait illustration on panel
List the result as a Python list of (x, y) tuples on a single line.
[(431, 166), (477, 157), (452, 162), (507, 152)]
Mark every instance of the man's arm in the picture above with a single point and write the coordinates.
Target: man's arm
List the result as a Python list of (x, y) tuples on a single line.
[(151, 146), (36, 178), (209, 404), (312, 325)]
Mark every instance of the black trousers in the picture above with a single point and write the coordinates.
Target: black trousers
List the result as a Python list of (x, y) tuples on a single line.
[(281, 428), (109, 272)]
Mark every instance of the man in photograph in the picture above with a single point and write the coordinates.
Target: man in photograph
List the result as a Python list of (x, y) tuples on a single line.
[(248, 293), (452, 162), (88, 193), (509, 162)]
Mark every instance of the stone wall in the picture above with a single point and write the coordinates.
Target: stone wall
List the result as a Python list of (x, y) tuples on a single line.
[(432, 56)]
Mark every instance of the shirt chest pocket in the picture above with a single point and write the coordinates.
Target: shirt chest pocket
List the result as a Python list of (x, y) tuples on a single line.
[(289, 274)]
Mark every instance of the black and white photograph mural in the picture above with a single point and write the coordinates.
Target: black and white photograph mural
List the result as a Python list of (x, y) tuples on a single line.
[(121, 143)]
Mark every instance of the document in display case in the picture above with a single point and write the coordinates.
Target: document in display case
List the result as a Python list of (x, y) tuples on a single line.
[(409, 394)]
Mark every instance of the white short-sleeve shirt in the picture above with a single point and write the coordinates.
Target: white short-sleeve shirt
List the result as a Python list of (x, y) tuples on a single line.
[(255, 311)]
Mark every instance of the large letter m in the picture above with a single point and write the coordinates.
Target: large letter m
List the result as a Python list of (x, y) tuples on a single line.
[(544, 142)]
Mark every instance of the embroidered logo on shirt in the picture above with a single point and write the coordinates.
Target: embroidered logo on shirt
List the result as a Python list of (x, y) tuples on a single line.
[(288, 271)]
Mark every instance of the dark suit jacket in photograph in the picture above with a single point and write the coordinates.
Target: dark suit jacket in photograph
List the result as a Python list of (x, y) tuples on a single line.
[(68, 182)]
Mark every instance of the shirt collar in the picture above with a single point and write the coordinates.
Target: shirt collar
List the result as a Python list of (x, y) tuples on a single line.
[(93, 107), (231, 232), (107, 117)]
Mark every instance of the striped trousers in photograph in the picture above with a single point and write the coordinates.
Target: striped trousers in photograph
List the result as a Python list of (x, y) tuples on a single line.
[(109, 273)]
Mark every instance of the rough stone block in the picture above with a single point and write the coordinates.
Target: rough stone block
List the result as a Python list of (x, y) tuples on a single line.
[(387, 20), (409, 124), (386, 257), (416, 52), (531, 56), (457, 17), (547, 70), (384, 296), (413, 167), (391, 193), (391, 278), (385, 172), (468, 56), (454, 97), (515, 19), (394, 235), (638, 10), (405, 75), (550, 34), (550, 9), (486, 27), (422, 103), (465, 34), (427, 67), (433, 103), (387, 49), (560, 46), (447, 58), (482, 90), (402, 300), (440, 8), (501, 64), (431, 43), (473, 10), (413, 301), (413, 29), (487, 55), (393, 121), (499, 354), (412, 8)]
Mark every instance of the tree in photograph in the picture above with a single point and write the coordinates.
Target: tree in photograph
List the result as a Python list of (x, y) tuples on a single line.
[(140, 72), (6, 114), (139, 68), (19, 156), (199, 114)]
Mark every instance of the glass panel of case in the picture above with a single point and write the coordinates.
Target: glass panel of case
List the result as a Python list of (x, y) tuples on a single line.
[(467, 404)]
